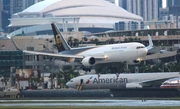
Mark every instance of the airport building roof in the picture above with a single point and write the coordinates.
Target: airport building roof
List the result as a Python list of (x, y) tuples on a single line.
[(71, 14), (82, 8)]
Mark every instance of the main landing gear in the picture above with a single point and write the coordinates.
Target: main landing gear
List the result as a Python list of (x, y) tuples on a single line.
[(86, 69)]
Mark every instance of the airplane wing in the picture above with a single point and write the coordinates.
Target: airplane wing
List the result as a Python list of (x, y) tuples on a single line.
[(54, 55), (62, 55), (155, 82)]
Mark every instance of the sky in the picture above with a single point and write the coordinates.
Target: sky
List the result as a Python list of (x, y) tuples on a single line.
[(164, 4)]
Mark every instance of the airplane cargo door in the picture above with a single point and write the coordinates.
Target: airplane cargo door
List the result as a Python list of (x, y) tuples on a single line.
[(80, 85), (81, 81)]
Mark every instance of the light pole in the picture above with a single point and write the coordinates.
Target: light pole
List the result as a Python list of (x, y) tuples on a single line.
[(2, 71), (44, 66), (117, 75), (98, 81)]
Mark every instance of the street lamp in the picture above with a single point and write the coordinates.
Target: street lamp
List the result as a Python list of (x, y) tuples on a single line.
[(44, 65)]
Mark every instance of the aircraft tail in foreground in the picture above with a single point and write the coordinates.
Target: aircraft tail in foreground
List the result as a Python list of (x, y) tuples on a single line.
[(59, 39), (150, 46)]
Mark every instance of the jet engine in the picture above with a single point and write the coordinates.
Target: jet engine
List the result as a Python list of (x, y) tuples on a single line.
[(88, 61)]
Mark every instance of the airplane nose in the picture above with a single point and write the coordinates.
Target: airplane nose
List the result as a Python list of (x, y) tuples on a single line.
[(68, 84)]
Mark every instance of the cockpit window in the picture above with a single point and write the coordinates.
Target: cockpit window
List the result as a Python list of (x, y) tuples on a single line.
[(140, 47), (71, 80)]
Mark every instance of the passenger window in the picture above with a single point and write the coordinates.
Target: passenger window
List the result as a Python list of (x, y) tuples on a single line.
[(139, 47)]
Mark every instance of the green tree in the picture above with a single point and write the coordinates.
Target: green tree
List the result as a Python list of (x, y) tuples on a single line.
[(126, 40), (131, 39), (84, 39), (70, 41), (95, 40), (76, 42), (111, 41), (68, 72)]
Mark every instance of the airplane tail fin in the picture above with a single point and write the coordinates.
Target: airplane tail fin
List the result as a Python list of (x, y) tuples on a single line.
[(59, 39), (150, 46)]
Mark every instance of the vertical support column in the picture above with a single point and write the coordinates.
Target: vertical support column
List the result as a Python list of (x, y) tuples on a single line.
[(75, 24), (139, 25), (63, 26)]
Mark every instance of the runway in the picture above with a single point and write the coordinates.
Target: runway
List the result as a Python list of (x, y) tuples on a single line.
[(97, 102)]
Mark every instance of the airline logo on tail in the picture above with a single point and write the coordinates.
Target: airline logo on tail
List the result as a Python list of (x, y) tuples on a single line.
[(58, 40)]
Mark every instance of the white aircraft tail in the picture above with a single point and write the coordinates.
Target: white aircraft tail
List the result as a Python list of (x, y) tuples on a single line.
[(150, 46)]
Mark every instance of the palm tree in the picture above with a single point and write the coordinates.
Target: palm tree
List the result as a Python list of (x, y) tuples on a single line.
[(111, 41), (131, 39), (84, 39), (125, 40), (95, 41), (67, 72), (70, 41), (76, 42)]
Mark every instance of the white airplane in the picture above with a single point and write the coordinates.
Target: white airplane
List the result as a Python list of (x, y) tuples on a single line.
[(119, 81), (89, 56), (171, 83)]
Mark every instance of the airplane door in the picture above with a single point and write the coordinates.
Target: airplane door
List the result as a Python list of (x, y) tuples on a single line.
[(81, 81), (80, 85)]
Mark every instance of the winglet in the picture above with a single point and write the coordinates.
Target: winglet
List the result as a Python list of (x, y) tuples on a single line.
[(150, 46), (59, 39)]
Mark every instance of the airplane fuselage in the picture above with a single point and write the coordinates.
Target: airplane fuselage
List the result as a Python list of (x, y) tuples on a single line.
[(114, 52), (113, 81)]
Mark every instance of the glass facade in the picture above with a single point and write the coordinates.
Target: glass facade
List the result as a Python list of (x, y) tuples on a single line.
[(9, 59)]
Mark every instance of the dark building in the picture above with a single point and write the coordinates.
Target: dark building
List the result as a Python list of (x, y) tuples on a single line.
[(16, 6), (131, 25), (148, 9), (5, 14), (174, 10), (123, 4), (10, 59), (170, 3), (120, 26)]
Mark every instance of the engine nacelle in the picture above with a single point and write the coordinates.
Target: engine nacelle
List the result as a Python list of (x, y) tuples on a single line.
[(134, 62), (88, 61)]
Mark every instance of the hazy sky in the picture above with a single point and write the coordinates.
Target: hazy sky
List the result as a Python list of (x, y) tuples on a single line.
[(164, 3)]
